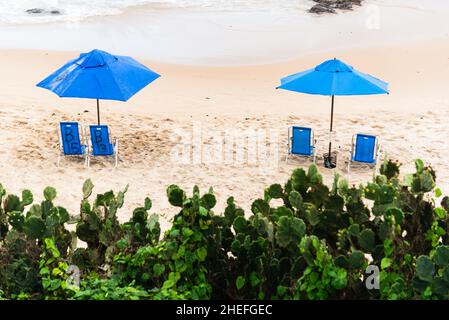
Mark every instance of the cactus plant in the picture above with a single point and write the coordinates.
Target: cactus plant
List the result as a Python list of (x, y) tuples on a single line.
[(315, 242)]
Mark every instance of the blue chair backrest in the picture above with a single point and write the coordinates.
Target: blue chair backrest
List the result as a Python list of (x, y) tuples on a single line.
[(101, 145), (301, 138), (70, 137), (365, 148)]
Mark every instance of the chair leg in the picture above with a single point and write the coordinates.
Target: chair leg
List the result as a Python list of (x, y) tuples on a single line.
[(116, 153)]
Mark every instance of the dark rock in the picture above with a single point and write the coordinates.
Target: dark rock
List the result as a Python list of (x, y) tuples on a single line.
[(344, 6), (43, 11), (320, 9), (35, 11), (331, 6)]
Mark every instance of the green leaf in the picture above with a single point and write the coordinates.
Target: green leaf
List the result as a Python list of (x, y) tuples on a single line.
[(35, 210), (63, 215), (408, 180), (153, 225), (120, 199), (314, 175), (240, 224), (283, 211), (275, 191), (16, 220), (354, 230), (299, 180), (208, 201), (34, 227), (389, 169), (440, 213), (295, 199), (240, 282), (396, 213), (385, 263), (343, 185), (2, 190), (203, 211), (12, 203), (254, 279), (438, 192), (356, 259), (173, 278), (261, 206), (87, 188), (312, 214), (122, 244), (427, 182), (176, 196), (366, 240), (419, 164), (49, 193), (158, 269), (201, 253), (148, 204), (290, 231), (441, 256), (27, 197), (341, 279), (425, 269)]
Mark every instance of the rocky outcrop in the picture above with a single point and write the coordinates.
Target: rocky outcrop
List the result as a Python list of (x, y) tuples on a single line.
[(42, 11), (332, 6)]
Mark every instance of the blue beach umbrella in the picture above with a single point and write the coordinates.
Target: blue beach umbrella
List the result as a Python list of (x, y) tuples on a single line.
[(99, 75), (333, 78)]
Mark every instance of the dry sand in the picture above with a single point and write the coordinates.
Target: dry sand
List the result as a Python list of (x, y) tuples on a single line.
[(411, 122)]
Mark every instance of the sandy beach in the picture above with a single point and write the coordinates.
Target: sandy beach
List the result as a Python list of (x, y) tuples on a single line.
[(232, 95)]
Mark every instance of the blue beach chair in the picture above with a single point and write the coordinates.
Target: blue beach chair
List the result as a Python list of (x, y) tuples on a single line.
[(364, 150), (70, 142), (301, 142), (101, 143)]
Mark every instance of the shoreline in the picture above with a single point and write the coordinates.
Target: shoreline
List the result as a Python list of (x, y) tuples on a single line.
[(234, 38), (421, 84)]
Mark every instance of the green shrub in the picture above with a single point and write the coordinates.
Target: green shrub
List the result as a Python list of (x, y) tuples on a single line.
[(317, 244)]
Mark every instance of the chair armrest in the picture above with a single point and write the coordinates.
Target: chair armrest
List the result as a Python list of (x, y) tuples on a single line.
[(350, 155), (378, 151), (115, 144)]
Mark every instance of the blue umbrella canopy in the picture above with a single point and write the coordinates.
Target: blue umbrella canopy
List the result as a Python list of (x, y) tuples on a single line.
[(99, 75), (333, 78)]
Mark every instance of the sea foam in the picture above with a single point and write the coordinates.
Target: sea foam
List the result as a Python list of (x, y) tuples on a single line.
[(43, 11)]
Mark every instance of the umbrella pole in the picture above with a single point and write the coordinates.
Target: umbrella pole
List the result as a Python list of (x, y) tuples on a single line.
[(328, 161), (332, 122), (98, 111)]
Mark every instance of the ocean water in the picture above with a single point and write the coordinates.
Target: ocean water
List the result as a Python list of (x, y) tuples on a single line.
[(216, 32), (15, 11)]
